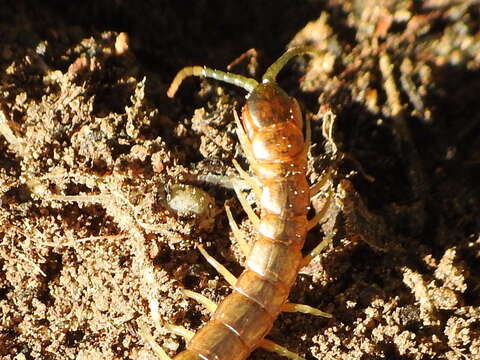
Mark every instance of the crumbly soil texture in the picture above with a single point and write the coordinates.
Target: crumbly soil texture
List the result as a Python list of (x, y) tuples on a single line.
[(107, 186)]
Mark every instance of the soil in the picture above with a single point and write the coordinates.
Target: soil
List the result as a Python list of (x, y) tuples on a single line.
[(107, 185)]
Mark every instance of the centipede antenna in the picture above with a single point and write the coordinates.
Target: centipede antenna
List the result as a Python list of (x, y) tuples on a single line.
[(201, 71), (272, 72)]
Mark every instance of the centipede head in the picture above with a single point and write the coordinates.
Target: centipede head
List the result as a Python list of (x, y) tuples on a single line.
[(269, 106)]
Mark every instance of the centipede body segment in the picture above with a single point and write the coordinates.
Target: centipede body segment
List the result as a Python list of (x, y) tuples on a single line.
[(271, 134)]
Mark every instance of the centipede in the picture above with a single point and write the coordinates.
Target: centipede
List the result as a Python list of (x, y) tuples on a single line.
[(276, 141)]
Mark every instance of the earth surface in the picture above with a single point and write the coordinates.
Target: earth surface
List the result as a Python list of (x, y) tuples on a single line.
[(107, 186)]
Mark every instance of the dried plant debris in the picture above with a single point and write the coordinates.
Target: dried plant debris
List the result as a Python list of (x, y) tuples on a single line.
[(107, 186)]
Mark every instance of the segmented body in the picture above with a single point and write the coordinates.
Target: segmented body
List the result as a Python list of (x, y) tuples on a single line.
[(277, 152)]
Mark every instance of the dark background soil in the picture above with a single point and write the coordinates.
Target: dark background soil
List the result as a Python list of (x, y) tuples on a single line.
[(92, 153)]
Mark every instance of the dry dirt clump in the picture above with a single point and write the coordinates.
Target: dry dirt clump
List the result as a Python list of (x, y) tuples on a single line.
[(84, 205), (106, 186)]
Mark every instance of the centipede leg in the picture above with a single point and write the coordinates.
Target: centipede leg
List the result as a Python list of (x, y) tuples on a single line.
[(175, 329), (246, 146), (305, 309), (320, 214), (249, 179), (222, 270), (201, 299), (237, 232), (179, 330), (318, 249), (242, 137), (148, 338), (308, 135), (246, 206), (317, 188), (278, 349)]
